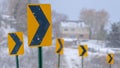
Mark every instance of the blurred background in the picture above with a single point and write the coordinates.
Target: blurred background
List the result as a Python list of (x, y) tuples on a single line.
[(95, 23)]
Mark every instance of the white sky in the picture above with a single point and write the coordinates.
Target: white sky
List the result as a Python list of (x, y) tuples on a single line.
[(72, 7)]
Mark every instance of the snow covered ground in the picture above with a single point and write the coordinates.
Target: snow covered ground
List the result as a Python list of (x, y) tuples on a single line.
[(72, 58), (74, 61), (99, 54), (97, 46)]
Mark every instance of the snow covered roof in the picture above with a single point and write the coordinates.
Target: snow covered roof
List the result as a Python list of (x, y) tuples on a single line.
[(73, 24), (69, 39), (8, 17)]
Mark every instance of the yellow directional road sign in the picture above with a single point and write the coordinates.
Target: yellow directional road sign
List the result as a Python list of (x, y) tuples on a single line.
[(83, 50), (59, 46), (39, 25), (110, 58), (15, 43)]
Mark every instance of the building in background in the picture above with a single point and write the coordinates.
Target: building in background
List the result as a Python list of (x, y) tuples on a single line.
[(74, 29)]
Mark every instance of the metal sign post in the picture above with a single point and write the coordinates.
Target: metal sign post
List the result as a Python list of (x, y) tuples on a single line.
[(39, 57), (110, 65), (83, 52), (16, 45), (17, 62), (82, 62), (59, 49), (39, 27), (110, 59), (58, 60)]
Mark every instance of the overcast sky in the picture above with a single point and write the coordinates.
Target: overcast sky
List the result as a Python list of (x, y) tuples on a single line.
[(72, 7)]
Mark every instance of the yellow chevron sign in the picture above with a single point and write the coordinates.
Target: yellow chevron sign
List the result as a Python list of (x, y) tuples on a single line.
[(83, 50), (110, 58), (59, 46), (15, 43), (39, 25)]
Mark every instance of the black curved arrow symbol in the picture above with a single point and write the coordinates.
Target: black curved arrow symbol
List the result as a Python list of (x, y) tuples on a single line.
[(61, 46), (43, 24), (17, 41), (110, 57), (84, 50)]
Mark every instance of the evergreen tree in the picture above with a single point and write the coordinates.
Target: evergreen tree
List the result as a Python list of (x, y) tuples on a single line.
[(114, 35)]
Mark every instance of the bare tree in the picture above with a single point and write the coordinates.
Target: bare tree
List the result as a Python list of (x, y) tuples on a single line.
[(57, 18), (17, 9), (95, 19)]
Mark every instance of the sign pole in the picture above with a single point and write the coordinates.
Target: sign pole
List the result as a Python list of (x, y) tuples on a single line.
[(58, 60), (83, 52), (110, 65), (17, 62), (41, 23), (39, 57), (59, 49), (82, 62)]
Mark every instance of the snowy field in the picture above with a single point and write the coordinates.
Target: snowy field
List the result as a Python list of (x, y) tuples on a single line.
[(96, 55)]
